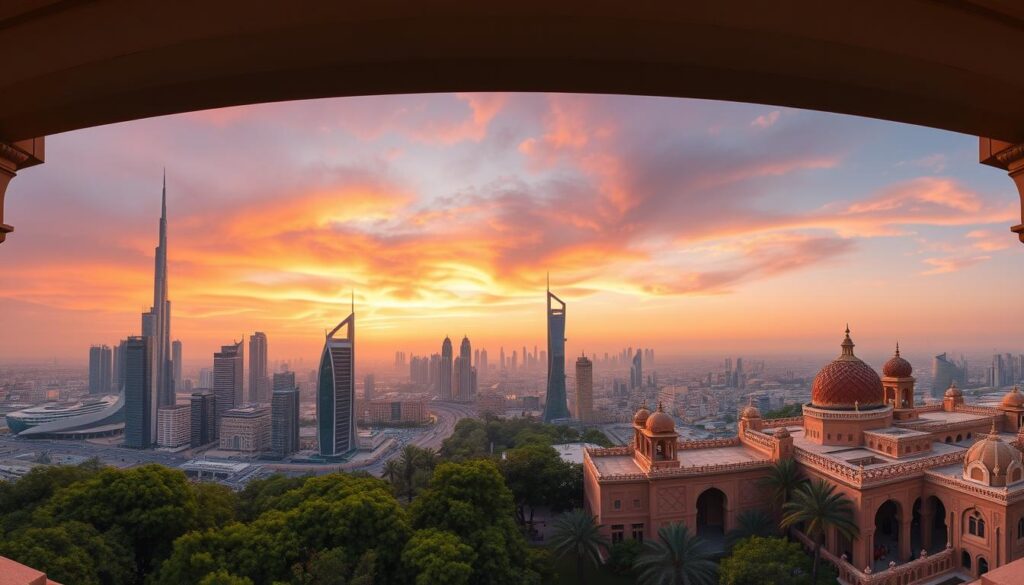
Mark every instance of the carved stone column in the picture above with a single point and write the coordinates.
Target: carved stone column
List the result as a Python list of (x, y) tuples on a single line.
[(905, 552), (15, 156), (927, 527), (1010, 158)]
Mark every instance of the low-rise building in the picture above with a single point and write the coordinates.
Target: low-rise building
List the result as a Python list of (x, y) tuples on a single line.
[(174, 425), (245, 429)]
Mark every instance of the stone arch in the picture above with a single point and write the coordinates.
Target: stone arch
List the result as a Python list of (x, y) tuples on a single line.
[(711, 512), (959, 438), (949, 439), (977, 471), (887, 523), (935, 529), (982, 565), (965, 560), (1014, 472)]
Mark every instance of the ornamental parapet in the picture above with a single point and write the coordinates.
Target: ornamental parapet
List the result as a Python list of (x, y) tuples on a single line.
[(609, 451), (791, 421), (975, 409), (937, 425), (695, 470), (759, 439), (708, 443), (862, 477), (1005, 496), (829, 414), (919, 570)]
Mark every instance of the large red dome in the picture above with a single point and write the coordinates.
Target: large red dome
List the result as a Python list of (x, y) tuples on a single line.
[(847, 383)]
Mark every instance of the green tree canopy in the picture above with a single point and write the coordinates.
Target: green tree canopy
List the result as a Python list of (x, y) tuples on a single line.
[(71, 552), (437, 556), (766, 561)]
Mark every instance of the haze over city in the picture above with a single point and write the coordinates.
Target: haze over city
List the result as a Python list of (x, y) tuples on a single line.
[(696, 227)]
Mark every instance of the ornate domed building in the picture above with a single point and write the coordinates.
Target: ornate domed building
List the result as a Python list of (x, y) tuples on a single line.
[(935, 488)]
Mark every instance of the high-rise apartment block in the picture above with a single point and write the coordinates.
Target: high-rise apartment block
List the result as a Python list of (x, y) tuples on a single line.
[(173, 425), (369, 385), (176, 364)]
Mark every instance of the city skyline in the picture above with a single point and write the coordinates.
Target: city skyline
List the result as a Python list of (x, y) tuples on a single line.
[(890, 211)]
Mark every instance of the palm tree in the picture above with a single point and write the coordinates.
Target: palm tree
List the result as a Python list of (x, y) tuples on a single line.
[(676, 558), (819, 508), (783, 479), (576, 532), (753, 522), (392, 471)]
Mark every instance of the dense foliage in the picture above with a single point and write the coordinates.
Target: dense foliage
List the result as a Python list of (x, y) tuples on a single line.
[(766, 561), (786, 411), (91, 525)]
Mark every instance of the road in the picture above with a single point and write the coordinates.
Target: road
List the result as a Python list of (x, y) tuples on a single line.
[(447, 414)]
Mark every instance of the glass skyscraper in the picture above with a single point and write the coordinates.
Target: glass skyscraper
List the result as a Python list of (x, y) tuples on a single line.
[(139, 401), (336, 392), (556, 406)]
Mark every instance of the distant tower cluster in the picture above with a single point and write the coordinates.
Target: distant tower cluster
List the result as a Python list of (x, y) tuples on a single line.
[(636, 371), (336, 391)]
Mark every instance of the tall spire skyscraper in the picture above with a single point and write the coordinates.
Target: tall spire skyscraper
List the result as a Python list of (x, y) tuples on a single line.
[(156, 323), (556, 406), (336, 391)]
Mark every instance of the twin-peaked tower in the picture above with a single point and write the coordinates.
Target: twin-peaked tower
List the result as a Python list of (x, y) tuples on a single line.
[(336, 391), (555, 406)]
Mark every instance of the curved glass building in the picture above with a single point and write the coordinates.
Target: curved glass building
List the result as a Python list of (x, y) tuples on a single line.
[(336, 392), (92, 417)]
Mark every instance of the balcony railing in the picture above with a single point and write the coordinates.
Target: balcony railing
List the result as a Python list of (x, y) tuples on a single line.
[(918, 570), (860, 476)]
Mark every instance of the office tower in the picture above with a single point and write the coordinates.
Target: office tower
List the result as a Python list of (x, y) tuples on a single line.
[(584, 389), (445, 377), (476, 358), (636, 372), (227, 379), (555, 406), (336, 392), (139, 399), (284, 381), (203, 418), (284, 419), (118, 368), (99, 369), (368, 387), (157, 322), (481, 365), (176, 364), (944, 373), (173, 425), (526, 358), (205, 378), (419, 370), (245, 429), (501, 358), (514, 360), (259, 383), (467, 391)]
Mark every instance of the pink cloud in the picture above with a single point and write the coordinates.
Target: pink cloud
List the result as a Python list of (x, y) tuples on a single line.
[(766, 120)]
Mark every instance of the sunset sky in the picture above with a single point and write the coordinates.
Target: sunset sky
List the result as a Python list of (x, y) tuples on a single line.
[(690, 226)]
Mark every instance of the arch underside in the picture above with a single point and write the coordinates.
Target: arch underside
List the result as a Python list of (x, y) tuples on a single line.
[(941, 64)]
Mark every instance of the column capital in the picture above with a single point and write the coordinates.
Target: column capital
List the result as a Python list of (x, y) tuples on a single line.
[(1010, 158)]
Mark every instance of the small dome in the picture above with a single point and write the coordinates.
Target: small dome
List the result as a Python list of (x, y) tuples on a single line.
[(847, 382), (640, 418), (750, 411), (992, 461), (659, 422), (1013, 399), (897, 367), (782, 433), (953, 391)]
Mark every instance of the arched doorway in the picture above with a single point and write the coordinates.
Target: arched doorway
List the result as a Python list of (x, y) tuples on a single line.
[(711, 514), (887, 535), (982, 566), (936, 535)]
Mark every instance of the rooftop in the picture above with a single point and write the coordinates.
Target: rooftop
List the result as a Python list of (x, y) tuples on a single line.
[(692, 460)]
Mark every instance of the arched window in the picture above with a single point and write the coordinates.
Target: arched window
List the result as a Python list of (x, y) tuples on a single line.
[(982, 566), (976, 524), (978, 474), (968, 435), (959, 438), (965, 560), (1020, 528), (1016, 475)]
